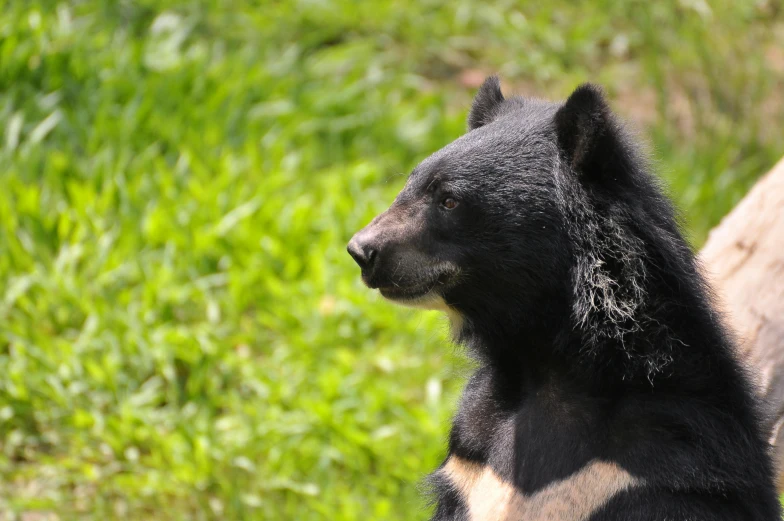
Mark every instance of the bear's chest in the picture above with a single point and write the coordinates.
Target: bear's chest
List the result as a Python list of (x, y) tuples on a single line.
[(532, 456), (532, 438), (481, 494)]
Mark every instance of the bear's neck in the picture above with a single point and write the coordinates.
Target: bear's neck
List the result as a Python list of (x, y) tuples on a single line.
[(676, 330)]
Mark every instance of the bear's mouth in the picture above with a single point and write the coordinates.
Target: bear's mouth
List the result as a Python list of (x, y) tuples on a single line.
[(399, 292)]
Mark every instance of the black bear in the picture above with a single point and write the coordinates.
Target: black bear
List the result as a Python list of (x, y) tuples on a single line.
[(607, 387)]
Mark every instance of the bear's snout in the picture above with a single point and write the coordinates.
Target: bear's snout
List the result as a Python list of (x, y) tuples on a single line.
[(371, 246), (362, 251), (395, 254)]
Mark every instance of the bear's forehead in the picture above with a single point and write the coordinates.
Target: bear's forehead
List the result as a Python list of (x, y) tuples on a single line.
[(521, 139)]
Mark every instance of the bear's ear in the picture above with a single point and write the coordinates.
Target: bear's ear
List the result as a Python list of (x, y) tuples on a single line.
[(485, 103), (586, 131)]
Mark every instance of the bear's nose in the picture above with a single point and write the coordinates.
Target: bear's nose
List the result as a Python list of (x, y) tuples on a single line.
[(362, 252)]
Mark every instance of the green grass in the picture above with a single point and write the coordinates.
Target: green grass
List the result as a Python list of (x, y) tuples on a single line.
[(182, 335)]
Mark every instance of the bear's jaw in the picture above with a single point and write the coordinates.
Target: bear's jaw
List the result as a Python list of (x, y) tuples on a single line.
[(430, 301), (422, 287)]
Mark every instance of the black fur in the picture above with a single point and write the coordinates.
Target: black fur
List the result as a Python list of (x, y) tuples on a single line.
[(595, 332)]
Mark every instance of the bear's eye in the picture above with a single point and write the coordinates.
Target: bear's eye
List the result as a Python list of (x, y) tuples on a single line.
[(449, 203)]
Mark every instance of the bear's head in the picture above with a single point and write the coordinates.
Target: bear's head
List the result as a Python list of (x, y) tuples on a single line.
[(529, 224)]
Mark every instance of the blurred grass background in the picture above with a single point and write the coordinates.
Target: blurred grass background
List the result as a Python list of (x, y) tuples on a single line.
[(182, 335)]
